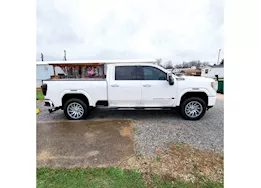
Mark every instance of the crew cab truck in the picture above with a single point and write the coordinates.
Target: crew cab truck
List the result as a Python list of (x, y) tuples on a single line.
[(131, 85)]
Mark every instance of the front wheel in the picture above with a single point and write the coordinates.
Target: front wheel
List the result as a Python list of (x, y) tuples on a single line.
[(193, 108), (75, 109)]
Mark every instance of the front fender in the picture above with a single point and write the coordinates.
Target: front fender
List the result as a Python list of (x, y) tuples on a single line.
[(191, 90), (77, 92)]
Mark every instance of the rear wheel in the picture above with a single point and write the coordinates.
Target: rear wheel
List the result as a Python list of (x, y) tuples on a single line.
[(193, 108), (75, 109)]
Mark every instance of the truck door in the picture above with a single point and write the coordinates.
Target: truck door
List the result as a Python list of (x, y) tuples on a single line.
[(124, 89), (155, 89)]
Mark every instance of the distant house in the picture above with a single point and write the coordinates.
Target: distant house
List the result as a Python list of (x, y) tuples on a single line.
[(193, 71), (178, 70), (213, 71)]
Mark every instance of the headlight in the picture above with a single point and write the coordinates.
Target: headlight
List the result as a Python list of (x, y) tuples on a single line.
[(214, 85)]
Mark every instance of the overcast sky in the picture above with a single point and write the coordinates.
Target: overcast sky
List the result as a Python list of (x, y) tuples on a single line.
[(177, 30)]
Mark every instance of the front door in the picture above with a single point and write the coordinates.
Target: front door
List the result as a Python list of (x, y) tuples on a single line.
[(124, 89), (155, 89)]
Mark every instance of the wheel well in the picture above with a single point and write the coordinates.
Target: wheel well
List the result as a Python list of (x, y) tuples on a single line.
[(201, 95), (66, 97)]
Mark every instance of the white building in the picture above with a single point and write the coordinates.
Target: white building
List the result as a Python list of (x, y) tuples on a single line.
[(44, 72), (213, 71)]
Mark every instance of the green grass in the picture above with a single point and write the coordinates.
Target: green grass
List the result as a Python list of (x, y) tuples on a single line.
[(157, 158), (91, 177), (107, 177), (39, 95)]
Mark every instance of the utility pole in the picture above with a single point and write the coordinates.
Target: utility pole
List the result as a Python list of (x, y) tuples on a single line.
[(218, 56), (42, 56), (64, 58)]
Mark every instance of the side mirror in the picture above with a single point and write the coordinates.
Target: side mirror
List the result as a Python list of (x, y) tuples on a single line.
[(170, 79)]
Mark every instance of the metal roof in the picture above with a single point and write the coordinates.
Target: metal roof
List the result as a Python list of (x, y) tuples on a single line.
[(97, 61)]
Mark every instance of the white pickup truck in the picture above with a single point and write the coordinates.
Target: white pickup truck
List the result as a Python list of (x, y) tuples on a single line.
[(131, 85)]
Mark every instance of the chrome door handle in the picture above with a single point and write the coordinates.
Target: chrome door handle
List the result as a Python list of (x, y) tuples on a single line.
[(115, 85), (146, 85)]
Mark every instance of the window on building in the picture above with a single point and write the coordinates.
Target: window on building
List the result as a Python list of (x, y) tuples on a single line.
[(206, 71)]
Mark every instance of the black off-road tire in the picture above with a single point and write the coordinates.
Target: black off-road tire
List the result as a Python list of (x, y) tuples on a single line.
[(186, 101), (80, 102)]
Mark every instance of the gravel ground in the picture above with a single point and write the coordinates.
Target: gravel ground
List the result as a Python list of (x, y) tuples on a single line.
[(157, 128)]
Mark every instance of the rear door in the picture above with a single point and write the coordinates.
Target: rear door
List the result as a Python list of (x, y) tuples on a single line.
[(155, 89), (124, 89)]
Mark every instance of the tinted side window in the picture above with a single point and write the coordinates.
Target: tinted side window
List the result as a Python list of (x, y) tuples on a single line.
[(152, 73), (125, 73)]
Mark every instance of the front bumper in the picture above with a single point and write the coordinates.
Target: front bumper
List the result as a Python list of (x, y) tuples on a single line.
[(211, 101)]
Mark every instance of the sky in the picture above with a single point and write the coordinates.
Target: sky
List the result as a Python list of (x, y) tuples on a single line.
[(176, 30)]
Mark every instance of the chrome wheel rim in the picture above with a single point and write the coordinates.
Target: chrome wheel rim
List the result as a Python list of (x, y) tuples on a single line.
[(75, 110), (193, 109)]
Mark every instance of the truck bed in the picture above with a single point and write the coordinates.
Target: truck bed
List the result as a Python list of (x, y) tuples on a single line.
[(93, 88)]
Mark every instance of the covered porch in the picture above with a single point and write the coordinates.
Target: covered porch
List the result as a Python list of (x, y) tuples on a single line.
[(80, 70)]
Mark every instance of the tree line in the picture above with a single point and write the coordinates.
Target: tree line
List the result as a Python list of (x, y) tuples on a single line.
[(189, 64)]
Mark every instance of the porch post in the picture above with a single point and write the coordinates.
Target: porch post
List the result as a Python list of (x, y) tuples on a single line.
[(54, 70)]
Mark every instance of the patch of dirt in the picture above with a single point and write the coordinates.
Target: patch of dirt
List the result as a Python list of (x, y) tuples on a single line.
[(126, 131), (43, 155), (91, 136), (180, 161), (92, 153)]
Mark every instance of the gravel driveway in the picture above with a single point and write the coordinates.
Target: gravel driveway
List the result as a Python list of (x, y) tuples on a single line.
[(157, 128)]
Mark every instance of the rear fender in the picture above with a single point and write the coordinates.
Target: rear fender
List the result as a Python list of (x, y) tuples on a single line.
[(91, 102)]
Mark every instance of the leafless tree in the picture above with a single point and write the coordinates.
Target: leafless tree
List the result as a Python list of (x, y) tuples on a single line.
[(168, 65), (189, 64)]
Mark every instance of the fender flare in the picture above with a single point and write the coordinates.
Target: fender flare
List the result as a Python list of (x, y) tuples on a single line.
[(77, 92), (191, 90)]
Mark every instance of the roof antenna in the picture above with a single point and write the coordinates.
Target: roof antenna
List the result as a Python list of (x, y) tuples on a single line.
[(42, 56), (64, 58)]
